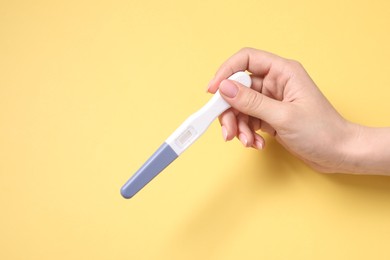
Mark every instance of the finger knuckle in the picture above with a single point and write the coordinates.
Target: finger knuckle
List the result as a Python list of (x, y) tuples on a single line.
[(294, 64), (246, 50)]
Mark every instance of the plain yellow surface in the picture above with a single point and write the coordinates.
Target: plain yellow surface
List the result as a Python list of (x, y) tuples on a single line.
[(89, 89)]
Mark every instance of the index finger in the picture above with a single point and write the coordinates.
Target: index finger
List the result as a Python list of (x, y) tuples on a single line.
[(255, 61)]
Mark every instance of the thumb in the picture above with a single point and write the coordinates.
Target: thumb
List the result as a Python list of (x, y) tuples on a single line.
[(251, 102)]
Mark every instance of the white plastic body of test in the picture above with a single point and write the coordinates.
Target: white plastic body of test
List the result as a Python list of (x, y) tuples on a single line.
[(197, 123)]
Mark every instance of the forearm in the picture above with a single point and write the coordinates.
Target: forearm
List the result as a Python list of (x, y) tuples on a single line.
[(367, 151)]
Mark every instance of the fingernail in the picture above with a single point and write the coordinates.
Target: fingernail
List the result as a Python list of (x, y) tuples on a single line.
[(209, 85), (224, 133), (228, 88), (243, 139), (259, 145)]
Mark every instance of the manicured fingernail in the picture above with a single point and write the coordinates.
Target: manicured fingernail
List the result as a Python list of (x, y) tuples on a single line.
[(224, 133), (243, 139), (228, 88), (209, 85), (258, 145)]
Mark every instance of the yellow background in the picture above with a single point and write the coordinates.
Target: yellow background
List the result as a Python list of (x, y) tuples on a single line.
[(89, 89)]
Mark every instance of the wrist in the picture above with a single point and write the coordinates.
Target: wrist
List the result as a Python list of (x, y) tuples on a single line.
[(349, 148), (366, 150)]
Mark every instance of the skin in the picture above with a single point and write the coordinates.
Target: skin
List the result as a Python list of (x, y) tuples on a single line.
[(285, 103)]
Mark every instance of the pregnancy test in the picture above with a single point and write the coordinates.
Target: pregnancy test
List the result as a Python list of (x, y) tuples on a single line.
[(184, 136)]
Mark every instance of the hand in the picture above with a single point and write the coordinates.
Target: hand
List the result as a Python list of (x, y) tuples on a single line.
[(283, 102)]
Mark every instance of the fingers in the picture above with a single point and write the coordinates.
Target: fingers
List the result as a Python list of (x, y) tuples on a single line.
[(259, 142), (267, 128), (255, 110), (255, 61), (251, 102), (242, 126), (229, 125), (245, 134)]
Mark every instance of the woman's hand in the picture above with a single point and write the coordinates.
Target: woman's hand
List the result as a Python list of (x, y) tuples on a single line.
[(284, 102)]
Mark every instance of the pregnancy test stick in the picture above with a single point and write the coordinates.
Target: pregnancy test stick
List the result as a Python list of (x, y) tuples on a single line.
[(181, 139)]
